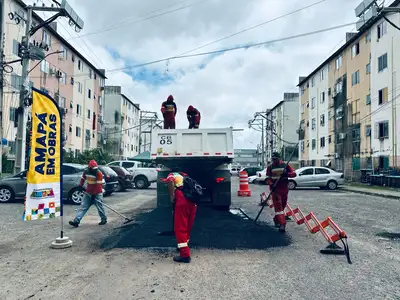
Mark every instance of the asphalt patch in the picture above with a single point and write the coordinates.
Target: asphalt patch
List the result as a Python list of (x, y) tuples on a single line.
[(212, 229)]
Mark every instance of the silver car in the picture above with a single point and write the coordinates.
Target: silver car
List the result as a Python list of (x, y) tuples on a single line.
[(316, 177), (14, 187)]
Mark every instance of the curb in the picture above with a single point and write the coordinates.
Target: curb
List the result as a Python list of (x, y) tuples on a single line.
[(369, 193)]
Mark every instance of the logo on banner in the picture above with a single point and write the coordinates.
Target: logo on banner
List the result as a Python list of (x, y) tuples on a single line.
[(43, 192)]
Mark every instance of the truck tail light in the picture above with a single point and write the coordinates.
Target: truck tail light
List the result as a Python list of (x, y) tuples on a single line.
[(219, 179)]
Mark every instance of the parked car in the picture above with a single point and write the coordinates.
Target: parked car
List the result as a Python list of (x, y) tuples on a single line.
[(111, 178), (251, 171), (316, 177), (142, 177), (261, 176), (14, 187), (125, 179), (235, 171), (252, 179)]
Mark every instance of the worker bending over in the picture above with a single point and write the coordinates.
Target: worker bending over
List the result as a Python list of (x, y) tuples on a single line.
[(169, 110), (193, 116), (184, 214), (278, 169)]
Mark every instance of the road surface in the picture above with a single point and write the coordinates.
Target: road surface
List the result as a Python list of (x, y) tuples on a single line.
[(134, 263)]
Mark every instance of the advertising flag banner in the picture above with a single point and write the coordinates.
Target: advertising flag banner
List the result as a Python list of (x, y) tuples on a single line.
[(43, 178)]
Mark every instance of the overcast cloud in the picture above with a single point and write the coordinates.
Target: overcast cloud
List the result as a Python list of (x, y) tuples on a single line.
[(226, 88)]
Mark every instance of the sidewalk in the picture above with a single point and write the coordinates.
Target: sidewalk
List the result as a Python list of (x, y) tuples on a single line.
[(371, 190)]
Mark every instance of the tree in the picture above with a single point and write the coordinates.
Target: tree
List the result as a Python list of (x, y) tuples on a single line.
[(83, 158)]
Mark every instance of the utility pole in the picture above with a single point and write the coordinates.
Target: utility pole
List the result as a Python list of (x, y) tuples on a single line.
[(31, 52), (262, 143), (1, 82)]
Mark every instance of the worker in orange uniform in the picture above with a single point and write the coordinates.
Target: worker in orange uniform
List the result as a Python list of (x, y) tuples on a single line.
[(169, 110), (94, 194), (193, 116), (184, 215), (278, 169)]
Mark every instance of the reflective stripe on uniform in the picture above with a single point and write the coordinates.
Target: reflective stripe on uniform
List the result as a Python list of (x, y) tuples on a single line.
[(99, 181), (182, 245), (279, 213)]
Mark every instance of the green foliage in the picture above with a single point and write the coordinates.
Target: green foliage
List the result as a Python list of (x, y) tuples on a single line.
[(83, 158)]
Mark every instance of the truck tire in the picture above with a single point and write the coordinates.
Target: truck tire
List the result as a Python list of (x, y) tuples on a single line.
[(141, 182)]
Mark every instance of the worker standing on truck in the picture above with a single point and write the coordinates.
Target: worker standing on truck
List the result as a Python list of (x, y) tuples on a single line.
[(169, 110), (278, 169), (184, 214), (193, 116), (93, 195)]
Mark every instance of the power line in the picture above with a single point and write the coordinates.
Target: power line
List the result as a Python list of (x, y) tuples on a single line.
[(255, 26), (226, 49)]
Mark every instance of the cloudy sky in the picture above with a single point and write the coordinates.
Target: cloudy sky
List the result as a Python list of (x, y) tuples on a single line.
[(227, 88)]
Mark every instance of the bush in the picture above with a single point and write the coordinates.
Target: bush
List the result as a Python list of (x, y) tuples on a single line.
[(83, 158)]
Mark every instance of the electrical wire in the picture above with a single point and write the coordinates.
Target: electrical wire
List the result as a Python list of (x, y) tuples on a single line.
[(111, 71)]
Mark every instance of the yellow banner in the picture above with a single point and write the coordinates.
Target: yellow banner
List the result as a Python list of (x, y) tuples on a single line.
[(43, 192)]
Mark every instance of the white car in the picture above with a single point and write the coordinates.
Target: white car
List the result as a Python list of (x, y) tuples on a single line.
[(252, 179), (261, 176), (316, 177), (142, 177)]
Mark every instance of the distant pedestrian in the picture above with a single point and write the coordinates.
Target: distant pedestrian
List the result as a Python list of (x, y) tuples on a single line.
[(278, 170), (94, 194), (169, 110), (193, 116)]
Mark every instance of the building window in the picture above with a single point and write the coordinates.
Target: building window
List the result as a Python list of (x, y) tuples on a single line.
[(80, 87), (355, 50), (356, 134), (89, 94), (99, 99), (339, 87), (355, 78), (368, 130), (368, 37), (95, 76), (322, 120), (329, 67), (313, 81), (45, 66), (322, 74), (312, 102), (46, 38), (313, 123), (322, 142), (381, 29), (355, 111), (368, 68), (78, 110), (302, 108), (329, 139), (322, 97), (15, 47), (313, 144), (338, 62), (63, 102), (368, 99), (63, 78), (382, 130), (90, 73), (382, 62), (13, 112), (88, 113), (79, 64), (16, 81), (78, 132), (64, 52), (383, 95)]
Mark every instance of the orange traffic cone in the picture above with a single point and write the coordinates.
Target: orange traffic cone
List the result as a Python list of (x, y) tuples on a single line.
[(244, 190)]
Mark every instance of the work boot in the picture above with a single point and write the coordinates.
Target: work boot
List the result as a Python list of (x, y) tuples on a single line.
[(282, 228), (180, 259), (103, 222), (74, 223), (277, 224)]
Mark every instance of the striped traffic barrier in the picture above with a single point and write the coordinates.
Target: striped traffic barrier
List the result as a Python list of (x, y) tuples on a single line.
[(244, 190), (314, 226)]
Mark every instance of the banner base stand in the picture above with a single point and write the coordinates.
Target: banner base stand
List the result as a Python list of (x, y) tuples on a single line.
[(61, 243), (333, 249)]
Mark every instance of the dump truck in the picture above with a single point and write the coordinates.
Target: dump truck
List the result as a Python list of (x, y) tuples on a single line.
[(203, 154)]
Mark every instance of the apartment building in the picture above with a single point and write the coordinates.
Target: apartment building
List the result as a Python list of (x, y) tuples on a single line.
[(385, 86), (282, 125), (121, 119), (361, 91), (68, 77)]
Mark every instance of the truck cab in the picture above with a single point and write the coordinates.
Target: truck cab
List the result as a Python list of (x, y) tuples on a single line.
[(203, 154)]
